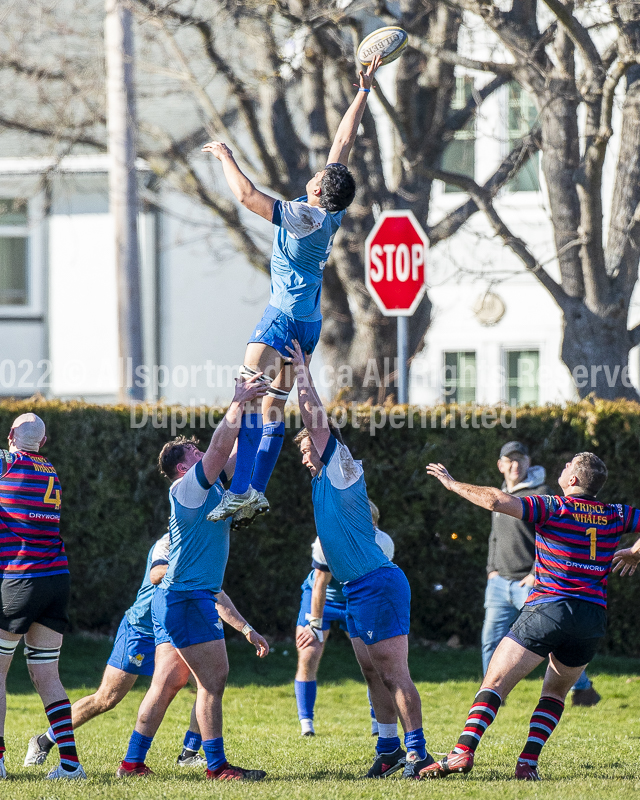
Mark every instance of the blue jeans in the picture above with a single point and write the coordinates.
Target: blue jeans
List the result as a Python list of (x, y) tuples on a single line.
[(503, 601)]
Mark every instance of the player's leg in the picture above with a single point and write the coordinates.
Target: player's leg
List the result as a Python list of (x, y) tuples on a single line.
[(8, 643), (209, 664), (42, 652), (511, 663), (390, 757), (190, 755), (305, 684), (558, 680), (115, 686), (169, 676)]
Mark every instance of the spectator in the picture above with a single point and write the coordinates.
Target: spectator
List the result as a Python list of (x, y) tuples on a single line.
[(511, 561)]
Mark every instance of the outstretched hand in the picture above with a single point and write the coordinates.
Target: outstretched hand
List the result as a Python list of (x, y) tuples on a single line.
[(217, 149), (366, 78), (249, 389), (298, 358), (625, 561), (439, 472)]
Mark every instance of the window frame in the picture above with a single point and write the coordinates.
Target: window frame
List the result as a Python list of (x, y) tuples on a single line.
[(34, 233), (452, 398), (506, 351), (510, 141)]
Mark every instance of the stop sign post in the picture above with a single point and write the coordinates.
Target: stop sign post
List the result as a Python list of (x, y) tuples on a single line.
[(395, 274)]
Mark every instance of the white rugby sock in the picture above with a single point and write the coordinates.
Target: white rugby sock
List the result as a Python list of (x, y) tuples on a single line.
[(387, 730), (306, 726)]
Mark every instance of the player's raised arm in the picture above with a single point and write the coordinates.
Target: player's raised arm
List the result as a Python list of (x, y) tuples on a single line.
[(483, 496), (244, 190), (314, 417), (348, 128), (217, 456)]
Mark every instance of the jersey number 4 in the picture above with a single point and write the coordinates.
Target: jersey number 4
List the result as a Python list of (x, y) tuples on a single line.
[(592, 533), (52, 499)]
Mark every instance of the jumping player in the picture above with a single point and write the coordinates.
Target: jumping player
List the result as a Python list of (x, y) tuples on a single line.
[(564, 616), (34, 586), (377, 591), (133, 654), (323, 601), (304, 235), (188, 606)]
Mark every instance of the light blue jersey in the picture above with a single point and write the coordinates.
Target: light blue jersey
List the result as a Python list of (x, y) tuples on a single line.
[(139, 615), (301, 247), (199, 549), (343, 516)]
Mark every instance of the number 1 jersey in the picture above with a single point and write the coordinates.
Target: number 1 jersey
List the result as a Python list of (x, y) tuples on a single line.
[(30, 503), (576, 538)]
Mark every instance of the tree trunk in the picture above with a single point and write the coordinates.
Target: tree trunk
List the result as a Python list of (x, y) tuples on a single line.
[(595, 348)]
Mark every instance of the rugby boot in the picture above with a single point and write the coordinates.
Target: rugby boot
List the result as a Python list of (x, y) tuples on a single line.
[(526, 772), (585, 697), (226, 772), (190, 759), (247, 514), (61, 774), (452, 762), (36, 753), (386, 764), (126, 770), (414, 764), (232, 503)]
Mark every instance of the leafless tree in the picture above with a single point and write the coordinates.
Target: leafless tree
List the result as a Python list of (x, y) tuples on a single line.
[(273, 80)]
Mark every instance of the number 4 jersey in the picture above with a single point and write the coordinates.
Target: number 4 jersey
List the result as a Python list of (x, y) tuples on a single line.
[(30, 501), (576, 538)]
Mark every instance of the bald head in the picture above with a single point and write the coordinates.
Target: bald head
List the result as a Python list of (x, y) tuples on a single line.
[(27, 433)]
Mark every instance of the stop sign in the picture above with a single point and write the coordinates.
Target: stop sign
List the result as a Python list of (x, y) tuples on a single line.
[(395, 260)]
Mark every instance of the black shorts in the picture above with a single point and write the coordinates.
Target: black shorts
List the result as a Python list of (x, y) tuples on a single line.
[(570, 629), (44, 600)]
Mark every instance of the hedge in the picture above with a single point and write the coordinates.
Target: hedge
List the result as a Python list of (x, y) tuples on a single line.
[(115, 504)]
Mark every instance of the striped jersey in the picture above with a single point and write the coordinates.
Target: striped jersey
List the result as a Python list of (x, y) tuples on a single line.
[(576, 538), (30, 503)]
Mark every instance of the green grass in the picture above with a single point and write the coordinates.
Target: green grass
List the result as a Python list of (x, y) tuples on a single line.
[(593, 754)]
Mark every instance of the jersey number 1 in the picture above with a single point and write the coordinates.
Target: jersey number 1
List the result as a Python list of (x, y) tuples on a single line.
[(54, 500), (592, 533)]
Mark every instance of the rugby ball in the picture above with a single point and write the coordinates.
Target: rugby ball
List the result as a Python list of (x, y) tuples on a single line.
[(386, 42)]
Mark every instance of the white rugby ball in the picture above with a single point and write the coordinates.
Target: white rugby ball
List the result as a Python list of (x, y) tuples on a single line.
[(386, 42)]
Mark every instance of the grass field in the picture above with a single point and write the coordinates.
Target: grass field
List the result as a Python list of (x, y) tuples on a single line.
[(593, 754)]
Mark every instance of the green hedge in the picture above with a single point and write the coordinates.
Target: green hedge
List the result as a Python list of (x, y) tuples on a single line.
[(115, 505)]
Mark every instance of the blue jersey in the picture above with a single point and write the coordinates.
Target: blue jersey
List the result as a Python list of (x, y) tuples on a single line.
[(139, 615), (301, 247), (199, 549), (343, 516)]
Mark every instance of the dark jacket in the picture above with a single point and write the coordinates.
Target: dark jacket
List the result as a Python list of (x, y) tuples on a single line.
[(512, 549)]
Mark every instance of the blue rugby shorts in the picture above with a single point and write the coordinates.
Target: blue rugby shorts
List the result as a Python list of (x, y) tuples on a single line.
[(378, 604)]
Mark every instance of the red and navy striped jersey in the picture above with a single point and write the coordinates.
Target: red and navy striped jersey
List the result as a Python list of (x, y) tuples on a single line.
[(30, 502), (576, 538)]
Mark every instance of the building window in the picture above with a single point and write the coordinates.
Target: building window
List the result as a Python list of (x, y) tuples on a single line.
[(460, 377), (522, 377), (460, 154), (14, 264), (521, 117)]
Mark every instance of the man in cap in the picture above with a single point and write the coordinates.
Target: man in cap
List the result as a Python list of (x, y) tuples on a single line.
[(34, 582), (510, 565)]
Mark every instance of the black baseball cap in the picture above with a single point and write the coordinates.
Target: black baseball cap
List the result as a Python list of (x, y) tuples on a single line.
[(514, 447)]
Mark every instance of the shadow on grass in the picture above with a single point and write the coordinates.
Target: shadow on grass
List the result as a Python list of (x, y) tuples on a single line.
[(83, 661)]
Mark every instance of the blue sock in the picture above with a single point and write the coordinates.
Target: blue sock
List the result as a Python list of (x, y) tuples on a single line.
[(268, 452), (192, 741), (248, 442), (306, 698), (414, 740), (138, 748), (214, 751), (387, 744)]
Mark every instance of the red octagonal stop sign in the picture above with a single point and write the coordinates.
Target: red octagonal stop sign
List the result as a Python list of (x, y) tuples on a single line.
[(395, 262)]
